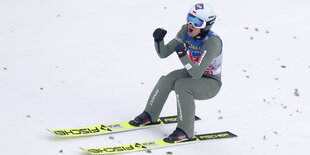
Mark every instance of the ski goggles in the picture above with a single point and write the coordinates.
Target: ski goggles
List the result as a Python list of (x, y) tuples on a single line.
[(195, 21)]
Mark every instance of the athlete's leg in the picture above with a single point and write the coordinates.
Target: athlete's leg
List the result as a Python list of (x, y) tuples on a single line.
[(187, 90), (161, 92)]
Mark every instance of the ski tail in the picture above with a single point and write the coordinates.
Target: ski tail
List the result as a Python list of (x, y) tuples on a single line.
[(218, 135)]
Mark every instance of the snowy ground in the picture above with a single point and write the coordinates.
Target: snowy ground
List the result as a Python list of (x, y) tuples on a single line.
[(78, 63)]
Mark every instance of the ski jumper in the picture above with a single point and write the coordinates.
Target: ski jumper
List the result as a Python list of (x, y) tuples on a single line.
[(200, 78)]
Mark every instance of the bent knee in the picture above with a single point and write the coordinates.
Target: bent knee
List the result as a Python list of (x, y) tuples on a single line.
[(165, 82)]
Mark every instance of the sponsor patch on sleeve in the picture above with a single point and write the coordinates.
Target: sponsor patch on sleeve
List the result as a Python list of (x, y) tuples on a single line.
[(188, 66)]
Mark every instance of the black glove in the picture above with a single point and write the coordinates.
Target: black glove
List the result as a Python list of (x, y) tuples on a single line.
[(181, 49), (159, 34)]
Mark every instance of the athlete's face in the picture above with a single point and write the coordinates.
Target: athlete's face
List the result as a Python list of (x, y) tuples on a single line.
[(192, 31)]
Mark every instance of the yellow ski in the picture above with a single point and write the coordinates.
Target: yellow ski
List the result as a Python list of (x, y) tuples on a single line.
[(156, 144), (110, 128)]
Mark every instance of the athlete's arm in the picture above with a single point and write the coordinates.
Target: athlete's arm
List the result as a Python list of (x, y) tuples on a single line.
[(211, 49), (163, 50)]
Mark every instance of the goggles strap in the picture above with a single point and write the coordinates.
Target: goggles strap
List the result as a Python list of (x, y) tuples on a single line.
[(211, 21)]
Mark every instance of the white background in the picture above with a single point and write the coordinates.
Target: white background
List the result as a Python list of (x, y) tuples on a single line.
[(77, 63)]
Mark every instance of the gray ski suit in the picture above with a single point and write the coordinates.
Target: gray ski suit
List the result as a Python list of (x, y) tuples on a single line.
[(200, 78)]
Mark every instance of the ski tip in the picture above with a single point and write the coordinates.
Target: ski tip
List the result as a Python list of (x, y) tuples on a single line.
[(85, 151), (231, 134), (49, 130), (197, 118)]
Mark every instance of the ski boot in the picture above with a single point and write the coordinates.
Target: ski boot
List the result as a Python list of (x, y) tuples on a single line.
[(142, 120), (178, 135)]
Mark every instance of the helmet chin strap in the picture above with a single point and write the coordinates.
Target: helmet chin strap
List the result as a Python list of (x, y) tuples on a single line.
[(202, 34)]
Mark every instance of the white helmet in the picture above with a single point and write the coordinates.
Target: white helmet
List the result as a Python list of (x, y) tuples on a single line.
[(204, 12)]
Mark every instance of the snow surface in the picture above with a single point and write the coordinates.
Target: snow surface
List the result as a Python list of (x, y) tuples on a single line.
[(77, 63)]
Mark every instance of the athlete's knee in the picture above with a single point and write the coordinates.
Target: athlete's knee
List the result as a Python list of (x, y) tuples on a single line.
[(164, 81)]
